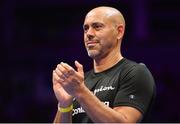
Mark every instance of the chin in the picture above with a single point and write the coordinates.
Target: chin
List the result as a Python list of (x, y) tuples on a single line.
[(93, 54)]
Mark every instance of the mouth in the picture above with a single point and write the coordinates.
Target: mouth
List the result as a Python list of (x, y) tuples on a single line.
[(91, 43)]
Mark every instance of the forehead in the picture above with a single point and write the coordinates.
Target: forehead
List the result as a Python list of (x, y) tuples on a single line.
[(92, 17)]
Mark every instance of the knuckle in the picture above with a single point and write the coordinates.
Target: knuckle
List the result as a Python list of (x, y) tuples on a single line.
[(71, 71), (56, 70), (58, 66)]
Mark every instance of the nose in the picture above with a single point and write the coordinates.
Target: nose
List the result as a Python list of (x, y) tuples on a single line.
[(90, 33)]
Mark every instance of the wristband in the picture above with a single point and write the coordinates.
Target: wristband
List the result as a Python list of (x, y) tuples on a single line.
[(66, 109)]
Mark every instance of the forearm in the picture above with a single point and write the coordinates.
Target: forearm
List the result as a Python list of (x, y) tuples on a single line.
[(98, 111), (63, 117)]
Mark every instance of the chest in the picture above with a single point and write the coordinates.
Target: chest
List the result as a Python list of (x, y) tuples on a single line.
[(104, 88)]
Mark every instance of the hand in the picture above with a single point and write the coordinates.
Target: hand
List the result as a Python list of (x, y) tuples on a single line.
[(62, 96), (71, 80)]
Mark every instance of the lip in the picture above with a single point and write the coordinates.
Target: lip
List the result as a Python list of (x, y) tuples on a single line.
[(91, 42)]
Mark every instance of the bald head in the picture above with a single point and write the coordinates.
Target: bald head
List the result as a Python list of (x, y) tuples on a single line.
[(108, 13), (103, 31)]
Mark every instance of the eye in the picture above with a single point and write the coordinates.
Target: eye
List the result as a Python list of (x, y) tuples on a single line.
[(85, 28), (97, 26)]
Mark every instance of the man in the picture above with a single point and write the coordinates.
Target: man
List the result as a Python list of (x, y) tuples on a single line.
[(116, 90)]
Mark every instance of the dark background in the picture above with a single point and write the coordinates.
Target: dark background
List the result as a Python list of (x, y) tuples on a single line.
[(36, 35)]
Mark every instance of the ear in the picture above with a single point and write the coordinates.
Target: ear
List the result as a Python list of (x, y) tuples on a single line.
[(120, 29)]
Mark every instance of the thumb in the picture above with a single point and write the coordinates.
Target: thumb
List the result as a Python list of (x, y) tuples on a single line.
[(79, 67)]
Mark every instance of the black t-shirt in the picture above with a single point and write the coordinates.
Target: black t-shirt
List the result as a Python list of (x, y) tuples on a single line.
[(125, 84)]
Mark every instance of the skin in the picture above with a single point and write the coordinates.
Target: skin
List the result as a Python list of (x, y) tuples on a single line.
[(103, 32)]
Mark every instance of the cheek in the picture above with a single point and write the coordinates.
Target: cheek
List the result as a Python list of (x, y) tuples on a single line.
[(106, 34), (84, 39), (111, 37), (102, 36), (105, 37), (108, 40)]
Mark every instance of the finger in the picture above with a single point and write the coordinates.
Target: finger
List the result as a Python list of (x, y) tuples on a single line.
[(57, 82), (54, 77), (57, 78), (79, 67), (63, 69), (59, 74), (69, 69)]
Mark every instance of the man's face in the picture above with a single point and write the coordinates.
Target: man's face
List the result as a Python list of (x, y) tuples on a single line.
[(100, 35)]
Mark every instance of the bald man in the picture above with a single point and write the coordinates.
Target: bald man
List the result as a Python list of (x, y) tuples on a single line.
[(116, 90)]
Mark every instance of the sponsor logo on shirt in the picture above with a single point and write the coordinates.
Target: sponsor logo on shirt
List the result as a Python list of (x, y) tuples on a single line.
[(81, 110), (103, 88)]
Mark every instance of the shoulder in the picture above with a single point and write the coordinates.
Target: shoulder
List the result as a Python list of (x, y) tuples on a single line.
[(131, 68), (137, 75)]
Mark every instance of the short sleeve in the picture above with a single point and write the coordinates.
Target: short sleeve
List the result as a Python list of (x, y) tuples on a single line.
[(136, 88)]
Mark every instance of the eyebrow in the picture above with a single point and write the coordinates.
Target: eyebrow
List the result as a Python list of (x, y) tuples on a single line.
[(94, 23)]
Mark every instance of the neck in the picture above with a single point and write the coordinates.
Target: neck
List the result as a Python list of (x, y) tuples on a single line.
[(107, 62)]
